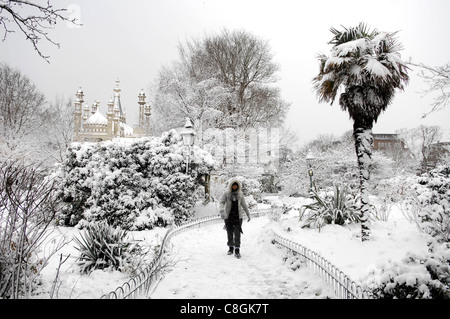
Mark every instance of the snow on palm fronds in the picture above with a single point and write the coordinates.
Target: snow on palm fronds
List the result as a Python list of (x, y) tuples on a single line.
[(360, 57), (366, 64)]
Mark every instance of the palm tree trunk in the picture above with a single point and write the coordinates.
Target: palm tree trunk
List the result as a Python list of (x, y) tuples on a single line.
[(363, 146)]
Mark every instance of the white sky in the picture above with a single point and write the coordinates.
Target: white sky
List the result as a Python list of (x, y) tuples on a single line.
[(131, 40)]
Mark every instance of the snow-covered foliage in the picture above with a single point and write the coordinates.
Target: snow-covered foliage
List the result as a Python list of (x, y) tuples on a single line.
[(336, 163), (102, 246), (424, 201), (416, 276), (432, 193), (134, 184), (338, 207)]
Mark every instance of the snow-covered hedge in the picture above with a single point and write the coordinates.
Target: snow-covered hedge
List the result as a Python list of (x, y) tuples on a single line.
[(423, 276), (433, 194), (426, 199), (135, 184)]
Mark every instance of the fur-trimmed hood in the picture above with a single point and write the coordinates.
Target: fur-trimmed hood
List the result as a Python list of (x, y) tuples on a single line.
[(231, 182)]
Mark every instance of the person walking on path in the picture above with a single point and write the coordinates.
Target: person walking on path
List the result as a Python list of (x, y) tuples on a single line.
[(231, 208)]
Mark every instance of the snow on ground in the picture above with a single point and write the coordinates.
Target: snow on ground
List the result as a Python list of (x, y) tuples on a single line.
[(203, 269), (74, 285), (390, 241)]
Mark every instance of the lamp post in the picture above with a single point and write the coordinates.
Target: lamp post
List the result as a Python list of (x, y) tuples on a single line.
[(188, 135), (309, 160)]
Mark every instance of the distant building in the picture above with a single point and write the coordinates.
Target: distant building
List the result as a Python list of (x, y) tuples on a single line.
[(92, 126), (387, 142)]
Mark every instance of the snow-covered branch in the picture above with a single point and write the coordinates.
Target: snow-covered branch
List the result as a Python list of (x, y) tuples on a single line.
[(438, 81), (32, 19)]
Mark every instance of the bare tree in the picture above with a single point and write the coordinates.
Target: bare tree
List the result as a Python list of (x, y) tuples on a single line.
[(30, 127), (438, 81), (59, 130), (28, 204), (418, 140), (180, 97), (32, 19), (240, 66), (22, 108)]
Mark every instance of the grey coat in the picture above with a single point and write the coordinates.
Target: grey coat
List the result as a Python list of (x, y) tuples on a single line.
[(225, 201)]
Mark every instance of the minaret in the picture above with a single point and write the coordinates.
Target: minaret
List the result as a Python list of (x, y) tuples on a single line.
[(118, 113), (110, 117), (95, 107), (85, 112), (78, 112), (116, 121), (141, 103), (147, 114)]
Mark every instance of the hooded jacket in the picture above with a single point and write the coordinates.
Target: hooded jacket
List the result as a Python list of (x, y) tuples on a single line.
[(225, 201)]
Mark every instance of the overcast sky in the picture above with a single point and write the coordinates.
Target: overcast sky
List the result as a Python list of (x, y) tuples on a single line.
[(131, 41)]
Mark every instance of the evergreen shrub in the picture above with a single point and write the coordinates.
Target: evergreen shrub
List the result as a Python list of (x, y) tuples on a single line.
[(137, 184)]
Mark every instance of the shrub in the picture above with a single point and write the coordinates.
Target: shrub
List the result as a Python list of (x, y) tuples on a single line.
[(339, 207), (102, 246), (28, 205), (430, 200), (118, 181), (415, 277)]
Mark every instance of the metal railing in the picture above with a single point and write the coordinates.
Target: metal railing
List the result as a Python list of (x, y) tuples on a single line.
[(342, 286), (140, 285)]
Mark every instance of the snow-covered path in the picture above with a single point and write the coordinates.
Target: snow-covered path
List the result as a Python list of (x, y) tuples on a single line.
[(203, 270)]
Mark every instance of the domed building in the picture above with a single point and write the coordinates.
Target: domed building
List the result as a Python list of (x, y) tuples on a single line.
[(92, 126)]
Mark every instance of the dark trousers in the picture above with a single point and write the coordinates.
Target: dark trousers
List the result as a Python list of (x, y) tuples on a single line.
[(234, 229)]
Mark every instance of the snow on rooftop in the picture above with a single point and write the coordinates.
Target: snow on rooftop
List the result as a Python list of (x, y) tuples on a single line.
[(97, 118)]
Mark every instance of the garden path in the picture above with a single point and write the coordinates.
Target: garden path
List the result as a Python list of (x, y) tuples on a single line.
[(203, 270)]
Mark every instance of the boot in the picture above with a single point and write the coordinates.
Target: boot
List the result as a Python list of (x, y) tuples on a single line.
[(237, 252), (230, 251)]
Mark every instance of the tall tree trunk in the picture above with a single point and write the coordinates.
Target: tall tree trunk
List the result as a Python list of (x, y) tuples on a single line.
[(362, 134)]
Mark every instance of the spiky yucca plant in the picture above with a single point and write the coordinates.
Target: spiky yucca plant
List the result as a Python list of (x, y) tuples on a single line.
[(366, 65), (338, 208), (103, 246)]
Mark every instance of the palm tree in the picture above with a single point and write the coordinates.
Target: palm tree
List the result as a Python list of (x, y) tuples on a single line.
[(365, 65)]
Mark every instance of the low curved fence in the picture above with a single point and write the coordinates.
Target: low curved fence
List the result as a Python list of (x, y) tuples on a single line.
[(342, 285), (140, 285)]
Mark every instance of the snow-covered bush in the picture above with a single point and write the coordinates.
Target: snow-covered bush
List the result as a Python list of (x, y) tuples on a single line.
[(389, 193), (416, 276), (337, 207), (432, 196), (102, 246), (134, 184)]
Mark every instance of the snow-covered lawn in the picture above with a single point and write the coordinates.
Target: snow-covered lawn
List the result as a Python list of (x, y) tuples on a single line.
[(203, 270), (390, 241)]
